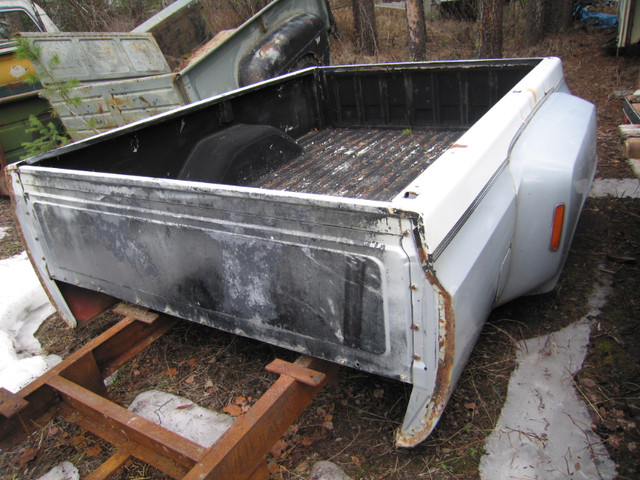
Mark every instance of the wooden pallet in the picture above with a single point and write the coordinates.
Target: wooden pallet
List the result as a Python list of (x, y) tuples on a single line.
[(78, 384)]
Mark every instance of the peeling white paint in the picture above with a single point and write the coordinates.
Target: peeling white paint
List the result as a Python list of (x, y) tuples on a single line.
[(544, 431)]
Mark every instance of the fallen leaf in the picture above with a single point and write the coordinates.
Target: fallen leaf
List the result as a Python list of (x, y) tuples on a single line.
[(136, 372), (577, 467), (233, 410), (276, 470), (171, 372), (192, 362), (190, 379), (328, 425), (470, 405), (378, 393), (182, 407), (94, 451), (242, 401), (615, 441), (77, 440), (279, 447), (303, 467), (307, 441), (357, 460), (208, 383), (28, 455), (588, 382)]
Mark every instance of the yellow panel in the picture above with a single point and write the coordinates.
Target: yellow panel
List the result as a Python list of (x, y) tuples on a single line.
[(14, 70)]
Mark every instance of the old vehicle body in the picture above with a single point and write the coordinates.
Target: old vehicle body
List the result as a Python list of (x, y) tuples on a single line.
[(18, 98), (282, 36), (368, 215)]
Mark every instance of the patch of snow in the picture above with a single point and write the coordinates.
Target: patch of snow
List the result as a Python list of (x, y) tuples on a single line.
[(544, 430), (618, 188), (182, 416), (327, 471), (3, 232), (23, 307), (64, 471)]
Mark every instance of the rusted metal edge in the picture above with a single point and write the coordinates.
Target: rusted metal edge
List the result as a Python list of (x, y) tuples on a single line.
[(432, 410), (242, 449), (87, 367)]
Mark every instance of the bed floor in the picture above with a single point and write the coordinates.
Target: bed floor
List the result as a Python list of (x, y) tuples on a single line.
[(374, 164)]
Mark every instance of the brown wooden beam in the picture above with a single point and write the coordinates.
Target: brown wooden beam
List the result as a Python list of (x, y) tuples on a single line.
[(241, 450)]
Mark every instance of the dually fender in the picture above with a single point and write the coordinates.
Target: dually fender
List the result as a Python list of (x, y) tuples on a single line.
[(552, 165), (300, 42)]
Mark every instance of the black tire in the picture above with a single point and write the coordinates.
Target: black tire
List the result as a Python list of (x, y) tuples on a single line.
[(308, 60)]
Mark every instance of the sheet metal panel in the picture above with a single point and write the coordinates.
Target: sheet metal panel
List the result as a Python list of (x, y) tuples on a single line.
[(106, 105), (322, 277), (97, 56)]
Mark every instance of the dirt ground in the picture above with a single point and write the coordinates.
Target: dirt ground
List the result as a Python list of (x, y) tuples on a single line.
[(353, 420)]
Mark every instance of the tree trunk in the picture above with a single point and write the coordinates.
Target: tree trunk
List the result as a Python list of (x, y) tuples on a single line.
[(558, 15), (417, 30), (365, 25), (490, 29), (535, 21)]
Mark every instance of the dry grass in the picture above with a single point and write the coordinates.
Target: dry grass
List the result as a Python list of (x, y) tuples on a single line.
[(447, 38)]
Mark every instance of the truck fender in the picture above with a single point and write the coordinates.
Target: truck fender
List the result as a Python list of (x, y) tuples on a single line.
[(299, 42), (552, 164)]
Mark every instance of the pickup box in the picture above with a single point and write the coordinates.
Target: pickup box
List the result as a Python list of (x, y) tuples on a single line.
[(368, 215), (124, 76)]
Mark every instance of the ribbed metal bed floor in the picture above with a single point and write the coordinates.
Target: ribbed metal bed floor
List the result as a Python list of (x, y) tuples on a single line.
[(374, 164)]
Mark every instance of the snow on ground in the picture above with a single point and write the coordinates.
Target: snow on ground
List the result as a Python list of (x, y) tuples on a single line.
[(618, 188), (23, 307), (544, 430), (198, 424), (64, 471)]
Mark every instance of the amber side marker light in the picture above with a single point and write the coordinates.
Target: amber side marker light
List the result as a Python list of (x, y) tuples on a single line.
[(556, 231)]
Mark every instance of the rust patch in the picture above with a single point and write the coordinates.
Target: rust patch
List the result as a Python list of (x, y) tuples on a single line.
[(202, 51), (442, 388)]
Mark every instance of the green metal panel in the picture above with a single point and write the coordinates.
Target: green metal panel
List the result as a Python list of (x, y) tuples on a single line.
[(14, 120)]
